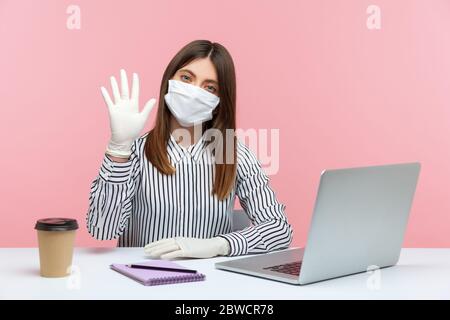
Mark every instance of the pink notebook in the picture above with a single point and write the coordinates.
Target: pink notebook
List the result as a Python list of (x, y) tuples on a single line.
[(149, 277)]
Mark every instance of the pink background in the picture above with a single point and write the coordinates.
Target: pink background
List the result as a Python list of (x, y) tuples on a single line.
[(341, 95)]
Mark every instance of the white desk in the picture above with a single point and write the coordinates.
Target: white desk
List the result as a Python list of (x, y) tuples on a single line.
[(420, 274)]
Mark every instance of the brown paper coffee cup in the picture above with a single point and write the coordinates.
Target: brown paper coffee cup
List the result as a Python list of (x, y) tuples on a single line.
[(56, 238)]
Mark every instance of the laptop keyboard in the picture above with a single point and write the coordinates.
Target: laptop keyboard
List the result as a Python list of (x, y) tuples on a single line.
[(288, 268)]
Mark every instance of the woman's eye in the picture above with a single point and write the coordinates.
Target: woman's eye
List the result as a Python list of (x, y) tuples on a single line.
[(187, 78), (211, 88)]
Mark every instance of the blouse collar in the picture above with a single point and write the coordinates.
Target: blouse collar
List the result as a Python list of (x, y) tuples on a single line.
[(177, 152)]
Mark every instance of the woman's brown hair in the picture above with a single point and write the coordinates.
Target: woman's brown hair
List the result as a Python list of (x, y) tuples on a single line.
[(224, 115)]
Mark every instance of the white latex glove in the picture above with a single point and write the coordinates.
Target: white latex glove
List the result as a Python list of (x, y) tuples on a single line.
[(125, 119), (188, 247)]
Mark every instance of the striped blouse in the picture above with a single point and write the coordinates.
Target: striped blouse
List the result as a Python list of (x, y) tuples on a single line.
[(134, 202)]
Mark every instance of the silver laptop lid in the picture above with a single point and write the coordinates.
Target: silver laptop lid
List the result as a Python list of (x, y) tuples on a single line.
[(359, 220)]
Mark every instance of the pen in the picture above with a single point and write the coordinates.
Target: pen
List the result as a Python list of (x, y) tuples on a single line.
[(137, 266)]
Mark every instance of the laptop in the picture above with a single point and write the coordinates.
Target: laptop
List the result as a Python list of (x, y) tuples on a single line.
[(358, 224)]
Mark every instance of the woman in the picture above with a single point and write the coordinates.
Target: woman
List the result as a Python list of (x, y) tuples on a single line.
[(170, 190)]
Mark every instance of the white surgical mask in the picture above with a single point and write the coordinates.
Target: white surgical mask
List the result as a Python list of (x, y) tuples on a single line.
[(190, 104)]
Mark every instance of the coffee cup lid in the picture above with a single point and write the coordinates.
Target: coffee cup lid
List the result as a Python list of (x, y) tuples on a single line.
[(56, 224)]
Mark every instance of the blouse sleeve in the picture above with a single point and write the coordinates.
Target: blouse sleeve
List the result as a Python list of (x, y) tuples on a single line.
[(111, 194), (270, 229)]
